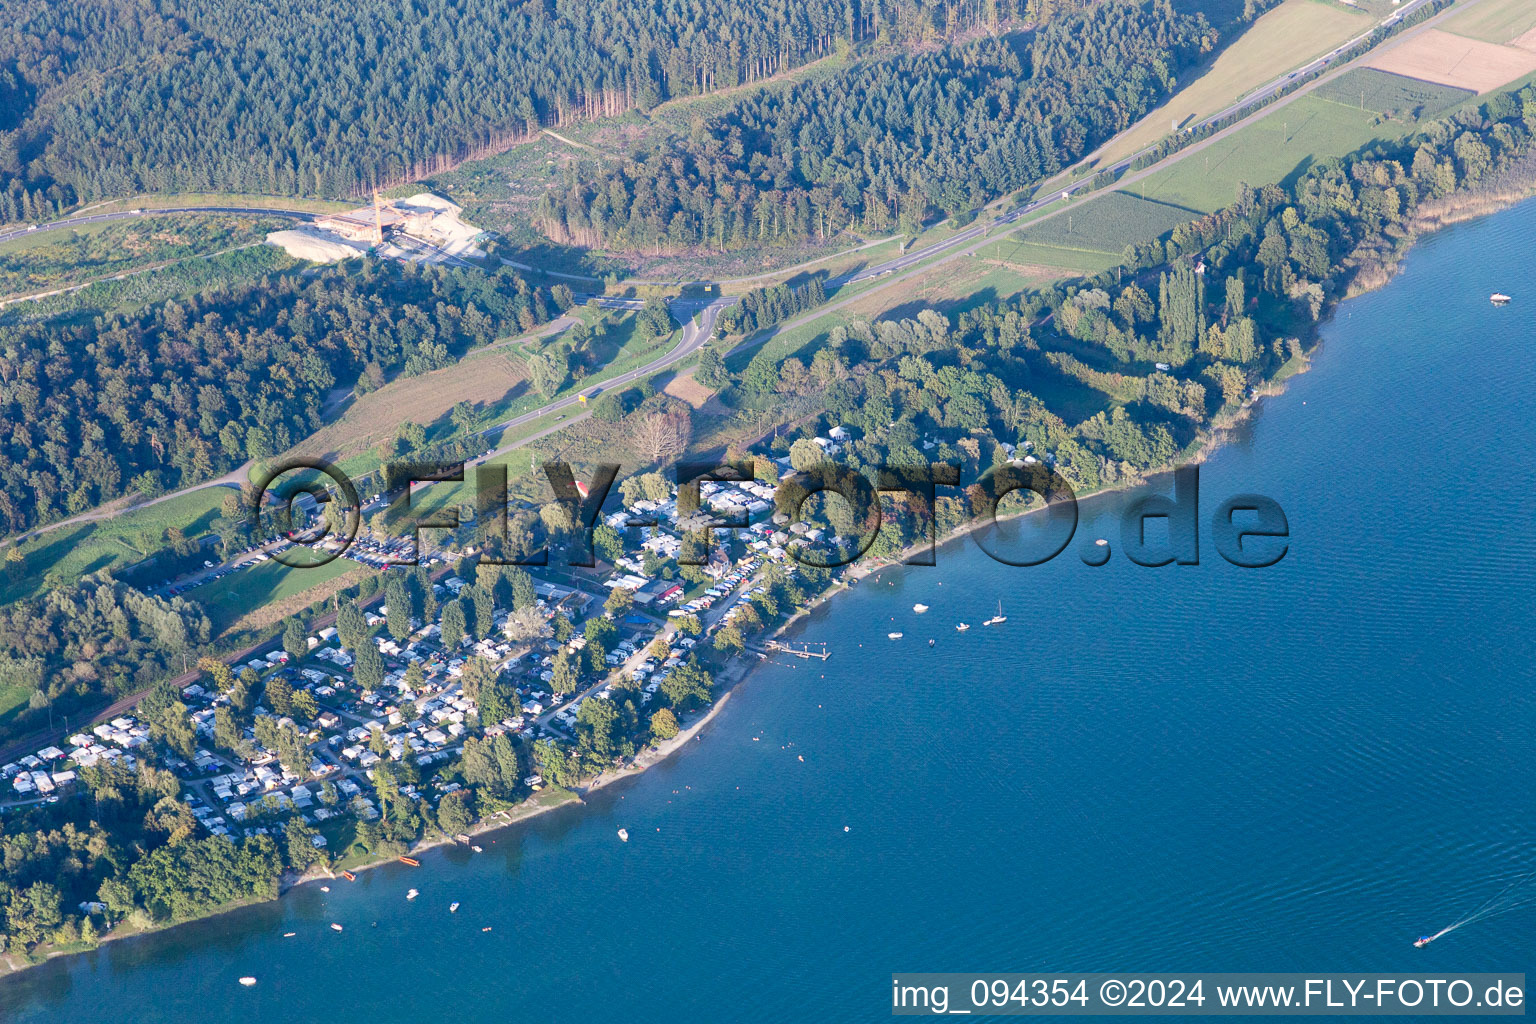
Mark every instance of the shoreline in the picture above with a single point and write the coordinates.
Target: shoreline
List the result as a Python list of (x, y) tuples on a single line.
[(1371, 271)]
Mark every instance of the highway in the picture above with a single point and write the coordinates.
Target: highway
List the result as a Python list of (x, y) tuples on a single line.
[(1250, 102), (694, 338)]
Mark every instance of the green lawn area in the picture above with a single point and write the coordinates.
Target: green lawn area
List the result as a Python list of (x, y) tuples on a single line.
[(12, 700), (1286, 37), (1494, 21), (122, 540), (1076, 260), (1382, 92), (1274, 149), (1106, 224), (226, 600)]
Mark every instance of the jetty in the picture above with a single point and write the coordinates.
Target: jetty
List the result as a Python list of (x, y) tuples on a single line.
[(803, 651)]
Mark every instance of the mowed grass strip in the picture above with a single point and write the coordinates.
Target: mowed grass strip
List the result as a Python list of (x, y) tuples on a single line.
[(125, 539), (242, 592), (1382, 92), (1285, 38)]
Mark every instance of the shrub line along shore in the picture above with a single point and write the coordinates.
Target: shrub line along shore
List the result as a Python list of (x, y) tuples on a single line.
[(1519, 184)]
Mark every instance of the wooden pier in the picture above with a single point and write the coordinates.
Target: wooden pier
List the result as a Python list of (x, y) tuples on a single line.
[(802, 651)]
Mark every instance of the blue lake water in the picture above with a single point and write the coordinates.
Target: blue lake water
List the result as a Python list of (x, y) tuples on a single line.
[(1186, 768)]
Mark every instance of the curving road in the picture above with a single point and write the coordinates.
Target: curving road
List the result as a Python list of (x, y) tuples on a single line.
[(694, 338), (101, 218)]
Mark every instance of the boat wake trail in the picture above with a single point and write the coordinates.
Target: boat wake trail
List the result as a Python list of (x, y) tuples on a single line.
[(1517, 894)]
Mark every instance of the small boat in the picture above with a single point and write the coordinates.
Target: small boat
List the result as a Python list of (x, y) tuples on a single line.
[(998, 618), (919, 608), (894, 636), (289, 935), (453, 908), (1101, 542), (1499, 299), (412, 894), (624, 834), (412, 861), (349, 876), (962, 627), (335, 927), (1422, 941), (486, 928), (477, 849), (247, 981), (325, 888)]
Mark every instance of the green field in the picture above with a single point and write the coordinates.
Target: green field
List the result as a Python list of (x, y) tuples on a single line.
[(73, 551), (1277, 148), (1286, 37), (12, 700), (226, 600), (1381, 92), (1107, 224), (1074, 260), (1494, 21)]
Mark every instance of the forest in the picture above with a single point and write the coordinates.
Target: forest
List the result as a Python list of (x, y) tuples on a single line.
[(1108, 378), (885, 144), (111, 98), (184, 391), (99, 638)]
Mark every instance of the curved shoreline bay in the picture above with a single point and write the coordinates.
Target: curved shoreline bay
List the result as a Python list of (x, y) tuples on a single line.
[(1187, 768)]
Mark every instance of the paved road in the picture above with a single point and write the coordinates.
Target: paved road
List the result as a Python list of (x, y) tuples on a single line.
[(691, 339), (100, 218), (1251, 102)]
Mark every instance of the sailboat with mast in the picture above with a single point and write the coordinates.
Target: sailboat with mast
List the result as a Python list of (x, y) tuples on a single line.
[(997, 619)]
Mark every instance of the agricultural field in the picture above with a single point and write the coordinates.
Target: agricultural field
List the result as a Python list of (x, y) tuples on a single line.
[(1392, 95), (1045, 260), (1273, 149), (487, 379), (1436, 56), (1284, 38), (1494, 21), (1107, 224)]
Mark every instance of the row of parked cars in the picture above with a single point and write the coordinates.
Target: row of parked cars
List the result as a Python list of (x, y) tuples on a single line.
[(171, 588)]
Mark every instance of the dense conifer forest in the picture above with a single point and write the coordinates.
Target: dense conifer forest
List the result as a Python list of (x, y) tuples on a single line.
[(114, 97), (888, 142)]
